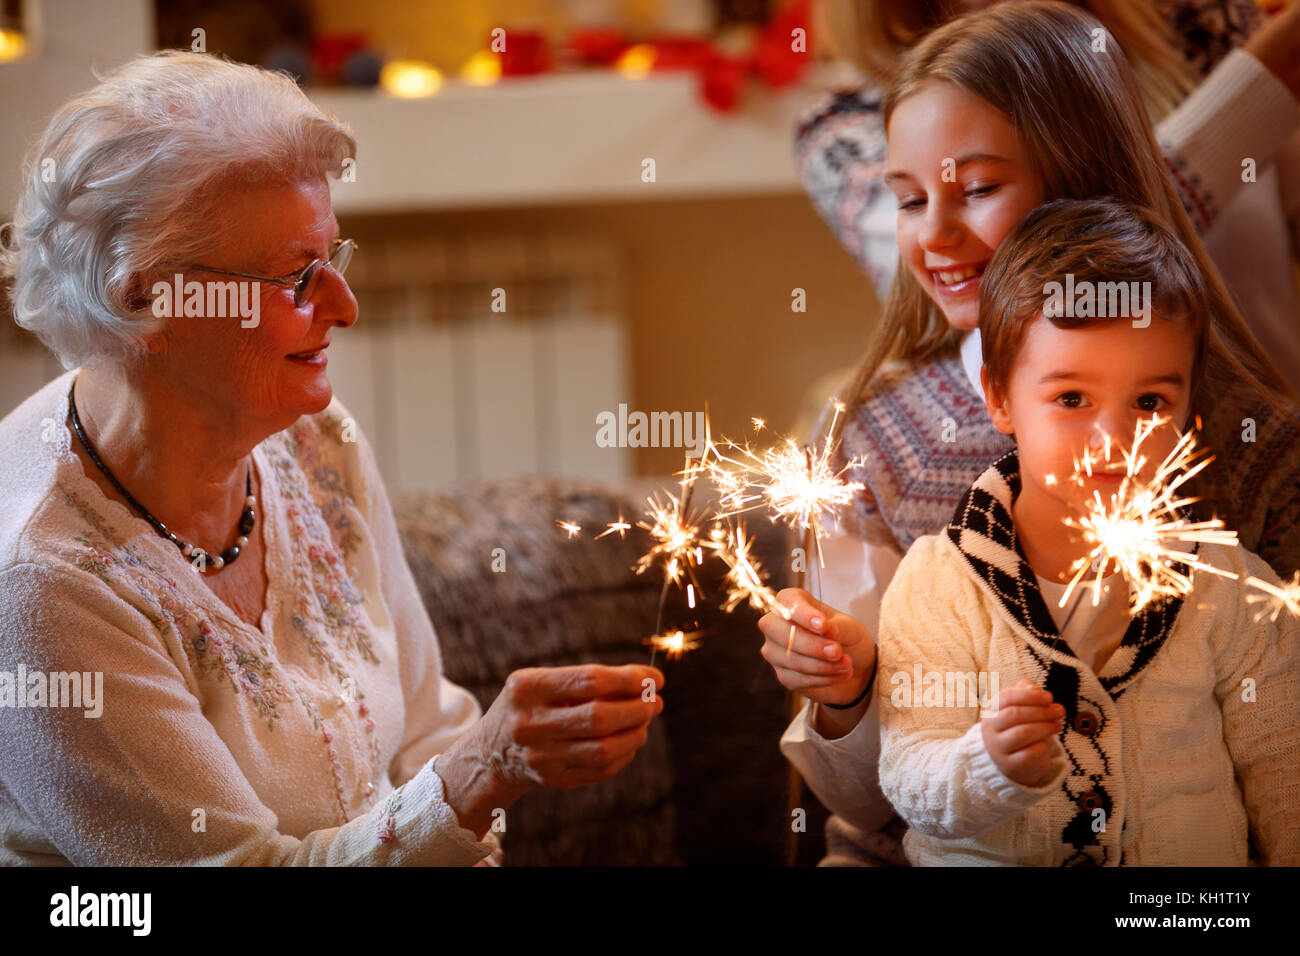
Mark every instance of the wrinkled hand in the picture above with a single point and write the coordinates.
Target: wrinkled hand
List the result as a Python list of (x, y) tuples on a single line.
[(559, 727), (564, 727), (832, 657), (1019, 736)]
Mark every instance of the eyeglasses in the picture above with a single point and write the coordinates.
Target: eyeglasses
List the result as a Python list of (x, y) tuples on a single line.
[(302, 282)]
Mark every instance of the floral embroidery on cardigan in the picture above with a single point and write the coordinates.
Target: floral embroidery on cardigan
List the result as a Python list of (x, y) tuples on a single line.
[(387, 821), (248, 671), (336, 609)]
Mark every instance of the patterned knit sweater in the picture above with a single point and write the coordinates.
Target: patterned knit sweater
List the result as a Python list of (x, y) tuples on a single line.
[(307, 740), (1188, 737)]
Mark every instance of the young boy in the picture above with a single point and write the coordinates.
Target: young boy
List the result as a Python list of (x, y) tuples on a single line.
[(1168, 737)]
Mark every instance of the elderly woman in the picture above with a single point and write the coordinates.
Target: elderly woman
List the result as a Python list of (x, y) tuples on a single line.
[(194, 525)]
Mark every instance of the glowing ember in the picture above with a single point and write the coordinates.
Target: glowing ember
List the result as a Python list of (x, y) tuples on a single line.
[(673, 645), (621, 526)]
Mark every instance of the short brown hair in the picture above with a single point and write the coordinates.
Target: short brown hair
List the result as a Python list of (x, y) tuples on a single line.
[(1099, 241)]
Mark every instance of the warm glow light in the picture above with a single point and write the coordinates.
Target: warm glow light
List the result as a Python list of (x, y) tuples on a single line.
[(636, 61), (410, 78), (481, 69), (12, 45), (570, 527), (673, 645)]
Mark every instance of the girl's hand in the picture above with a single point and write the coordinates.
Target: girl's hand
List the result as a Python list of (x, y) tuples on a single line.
[(1019, 736), (833, 656)]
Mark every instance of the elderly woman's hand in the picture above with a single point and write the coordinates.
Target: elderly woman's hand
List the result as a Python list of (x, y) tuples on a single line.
[(559, 727)]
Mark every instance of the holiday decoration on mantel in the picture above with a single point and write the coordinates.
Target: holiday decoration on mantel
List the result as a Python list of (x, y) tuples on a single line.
[(774, 50)]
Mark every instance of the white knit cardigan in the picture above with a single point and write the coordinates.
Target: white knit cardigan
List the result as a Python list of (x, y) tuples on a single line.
[(1187, 740), (214, 744)]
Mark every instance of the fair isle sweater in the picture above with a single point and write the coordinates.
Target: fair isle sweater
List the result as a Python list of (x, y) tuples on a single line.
[(308, 740), (1185, 742)]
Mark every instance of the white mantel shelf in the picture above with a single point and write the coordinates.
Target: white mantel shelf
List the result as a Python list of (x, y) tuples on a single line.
[(564, 138)]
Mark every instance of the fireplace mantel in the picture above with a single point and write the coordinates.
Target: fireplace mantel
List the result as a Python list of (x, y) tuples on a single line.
[(565, 138)]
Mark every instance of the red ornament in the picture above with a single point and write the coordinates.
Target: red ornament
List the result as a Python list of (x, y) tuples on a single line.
[(775, 58), (598, 45), (680, 53), (722, 78), (526, 53), (330, 51)]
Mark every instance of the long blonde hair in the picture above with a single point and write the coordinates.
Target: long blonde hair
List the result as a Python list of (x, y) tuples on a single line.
[(1079, 115), (874, 35)]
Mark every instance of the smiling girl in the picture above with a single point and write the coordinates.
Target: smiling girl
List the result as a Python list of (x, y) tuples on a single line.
[(991, 115)]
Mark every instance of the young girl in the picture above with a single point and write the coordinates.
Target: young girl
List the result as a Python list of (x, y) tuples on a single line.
[(991, 115), (1244, 105)]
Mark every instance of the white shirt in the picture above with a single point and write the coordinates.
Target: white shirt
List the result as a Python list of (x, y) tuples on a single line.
[(1092, 631)]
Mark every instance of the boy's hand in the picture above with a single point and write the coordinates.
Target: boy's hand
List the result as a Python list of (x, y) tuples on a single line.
[(832, 656), (1019, 736)]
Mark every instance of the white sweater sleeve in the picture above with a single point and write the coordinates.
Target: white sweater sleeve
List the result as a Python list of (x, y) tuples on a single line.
[(1241, 111), (843, 772), (934, 767), (149, 781), (1258, 689)]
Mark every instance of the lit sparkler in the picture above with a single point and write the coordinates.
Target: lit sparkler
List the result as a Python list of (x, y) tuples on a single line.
[(796, 483), (570, 527), (673, 645), (1142, 526), (675, 542)]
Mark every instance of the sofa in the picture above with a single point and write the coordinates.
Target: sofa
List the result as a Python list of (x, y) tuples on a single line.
[(710, 787)]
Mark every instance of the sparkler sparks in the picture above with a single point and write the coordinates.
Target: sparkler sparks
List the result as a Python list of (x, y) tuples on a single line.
[(621, 526), (570, 527), (673, 645), (1276, 599), (1140, 529), (674, 533), (796, 483), (744, 576)]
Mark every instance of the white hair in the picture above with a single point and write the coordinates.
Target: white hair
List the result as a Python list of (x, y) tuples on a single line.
[(127, 180)]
